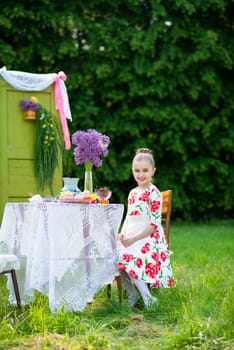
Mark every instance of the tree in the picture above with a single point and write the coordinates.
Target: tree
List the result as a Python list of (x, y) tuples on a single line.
[(146, 73)]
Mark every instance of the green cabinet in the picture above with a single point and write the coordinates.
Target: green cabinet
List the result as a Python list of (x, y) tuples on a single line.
[(17, 140)]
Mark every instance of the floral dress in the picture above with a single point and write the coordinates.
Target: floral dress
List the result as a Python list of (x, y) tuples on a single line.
[(147, 259)]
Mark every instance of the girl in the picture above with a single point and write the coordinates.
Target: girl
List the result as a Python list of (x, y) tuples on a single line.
[(143, 250)]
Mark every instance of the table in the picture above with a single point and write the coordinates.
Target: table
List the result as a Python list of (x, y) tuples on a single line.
[(67, 251)]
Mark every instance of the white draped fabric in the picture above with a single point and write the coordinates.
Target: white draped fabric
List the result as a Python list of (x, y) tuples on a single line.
[(25, 81), (66, 251), (8, 262), (36, 82)]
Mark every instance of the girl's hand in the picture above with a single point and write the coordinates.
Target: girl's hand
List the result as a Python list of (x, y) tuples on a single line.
[(121, 236), (127, 241)]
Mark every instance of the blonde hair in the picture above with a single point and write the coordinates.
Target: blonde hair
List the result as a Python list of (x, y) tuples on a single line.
[(144, 154)]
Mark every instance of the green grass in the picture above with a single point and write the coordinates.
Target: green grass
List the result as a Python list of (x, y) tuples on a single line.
[(197, 314)]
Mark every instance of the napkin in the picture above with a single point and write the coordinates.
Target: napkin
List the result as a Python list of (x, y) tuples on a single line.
[(36, 198)]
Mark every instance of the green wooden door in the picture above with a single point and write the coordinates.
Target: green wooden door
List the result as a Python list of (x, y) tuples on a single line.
[(17, 139)]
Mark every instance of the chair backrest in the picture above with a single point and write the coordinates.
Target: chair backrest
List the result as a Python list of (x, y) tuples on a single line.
[(166, 212)]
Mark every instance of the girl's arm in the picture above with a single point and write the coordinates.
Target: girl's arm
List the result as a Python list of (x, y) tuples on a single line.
[(129, 241), (155, 208)]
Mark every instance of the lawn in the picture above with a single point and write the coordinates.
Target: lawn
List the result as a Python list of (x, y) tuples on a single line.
[(197, 314)]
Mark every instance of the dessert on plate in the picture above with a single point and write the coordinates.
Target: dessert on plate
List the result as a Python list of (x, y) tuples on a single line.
[(66, 195)]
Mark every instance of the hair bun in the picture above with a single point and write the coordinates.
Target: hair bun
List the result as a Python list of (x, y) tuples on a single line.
[(144, 154), (144, 150)]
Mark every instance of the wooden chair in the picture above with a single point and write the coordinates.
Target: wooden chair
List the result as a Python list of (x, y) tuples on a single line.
[(166, 219), (8, 264), (166, 212)]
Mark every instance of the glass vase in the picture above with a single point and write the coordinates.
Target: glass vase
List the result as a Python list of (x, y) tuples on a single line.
[(71, 184), (88, 181)]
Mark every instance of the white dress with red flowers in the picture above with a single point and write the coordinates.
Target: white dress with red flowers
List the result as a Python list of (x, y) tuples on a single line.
[(148, 259)]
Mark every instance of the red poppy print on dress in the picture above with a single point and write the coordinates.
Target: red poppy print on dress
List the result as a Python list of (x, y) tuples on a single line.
[(158, 265), (139, 262), (156, 284), (155, 205), (121, 266), (154, 226), (132, 198), (155, 256), (133, 274), (145, 196), (163, 256), (145, 248), (127, 257), (157, 236), (157, 232), (135, 212), (151, 270)]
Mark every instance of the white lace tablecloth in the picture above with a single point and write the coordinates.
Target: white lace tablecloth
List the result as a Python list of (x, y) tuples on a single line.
[(67, 251)]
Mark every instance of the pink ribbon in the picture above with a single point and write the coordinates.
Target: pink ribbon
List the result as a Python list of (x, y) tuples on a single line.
[(59, 107)]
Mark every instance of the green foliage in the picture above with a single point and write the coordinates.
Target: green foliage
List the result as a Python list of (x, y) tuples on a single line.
[(47, 147), (196, 314), (146, 73)]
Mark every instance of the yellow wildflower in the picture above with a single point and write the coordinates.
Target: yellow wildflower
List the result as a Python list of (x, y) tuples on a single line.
[(34, 99)]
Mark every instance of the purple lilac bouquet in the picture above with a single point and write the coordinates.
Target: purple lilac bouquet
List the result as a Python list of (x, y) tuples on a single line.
[(90, 146), (31, 104)]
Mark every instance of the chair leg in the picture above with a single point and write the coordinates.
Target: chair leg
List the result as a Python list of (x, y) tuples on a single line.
[(119, 287), (16, 288), (108, 291)]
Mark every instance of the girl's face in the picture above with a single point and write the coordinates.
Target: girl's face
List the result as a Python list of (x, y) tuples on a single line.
[(143, 171)]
